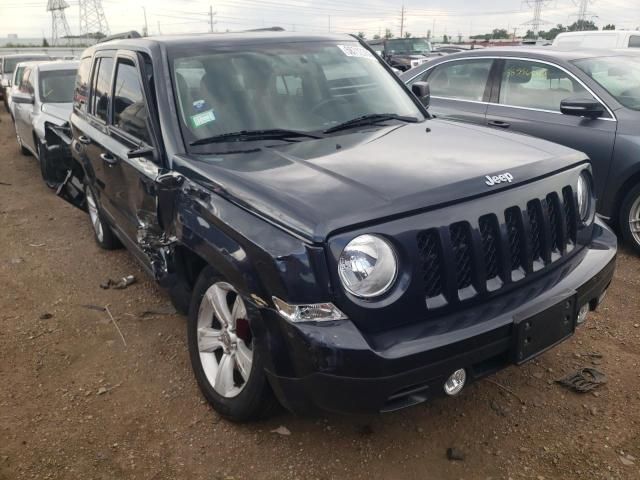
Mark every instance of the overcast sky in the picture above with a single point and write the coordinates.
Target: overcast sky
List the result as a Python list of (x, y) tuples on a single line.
[(28, 18)]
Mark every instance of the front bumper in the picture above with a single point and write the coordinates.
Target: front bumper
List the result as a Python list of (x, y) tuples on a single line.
[(335, 367)]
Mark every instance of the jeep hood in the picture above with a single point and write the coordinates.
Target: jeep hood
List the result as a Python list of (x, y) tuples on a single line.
[(317, 187)]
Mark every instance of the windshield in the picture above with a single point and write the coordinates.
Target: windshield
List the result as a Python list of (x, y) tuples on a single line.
[(301, 86), (408, 45), (620, 76), (56, 86), (9, 64)]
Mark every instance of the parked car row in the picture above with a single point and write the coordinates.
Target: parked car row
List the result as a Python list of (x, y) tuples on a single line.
[(40, 100), (587, 100), (334, 245), (7, 66)]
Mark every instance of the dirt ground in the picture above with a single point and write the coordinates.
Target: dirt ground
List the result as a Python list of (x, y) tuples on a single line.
[(77, 403)]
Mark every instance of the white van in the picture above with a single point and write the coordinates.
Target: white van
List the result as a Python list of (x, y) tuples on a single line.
[(608, 39)]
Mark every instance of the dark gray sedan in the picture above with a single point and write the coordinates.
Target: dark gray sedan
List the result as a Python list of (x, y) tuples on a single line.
[(589, 101)]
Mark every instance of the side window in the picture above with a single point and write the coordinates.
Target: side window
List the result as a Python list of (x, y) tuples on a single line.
[(634, 41), (81, 92), (25, 83), (462, 80), (17, 77), (537, 85), (100, 90), (130, 112)]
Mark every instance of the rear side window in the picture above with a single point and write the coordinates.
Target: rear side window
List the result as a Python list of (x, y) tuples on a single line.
[(464, 80), (634, 41), (130, 112), (81, 92), (101, 84)]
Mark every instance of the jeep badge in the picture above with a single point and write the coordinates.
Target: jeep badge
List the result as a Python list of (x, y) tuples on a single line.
[(505, 177)]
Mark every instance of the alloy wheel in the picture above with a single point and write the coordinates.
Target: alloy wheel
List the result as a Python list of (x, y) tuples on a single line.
[(634, 220), (224, 340)]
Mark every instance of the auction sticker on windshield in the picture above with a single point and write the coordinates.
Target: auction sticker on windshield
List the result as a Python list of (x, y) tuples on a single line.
[(202, 118), (356, 51)]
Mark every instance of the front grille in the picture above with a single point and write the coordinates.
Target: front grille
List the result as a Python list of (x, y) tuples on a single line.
[(490, 235), (570, 215), (534, 213), (431, 261), (553, 211), (461, 243), (513, 218), (505, 248)]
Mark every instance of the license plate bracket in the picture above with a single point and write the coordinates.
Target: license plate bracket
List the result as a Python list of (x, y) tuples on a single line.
[(535, 334)]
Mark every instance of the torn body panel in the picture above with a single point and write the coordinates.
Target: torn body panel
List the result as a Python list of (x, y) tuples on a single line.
[(64, 169)]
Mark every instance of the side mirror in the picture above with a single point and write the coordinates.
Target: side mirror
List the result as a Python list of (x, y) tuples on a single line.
[(422, 91), (21, 97), (582, 107)]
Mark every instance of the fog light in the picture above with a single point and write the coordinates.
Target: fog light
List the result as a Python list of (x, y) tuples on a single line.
[(582, 314), (455, 382)]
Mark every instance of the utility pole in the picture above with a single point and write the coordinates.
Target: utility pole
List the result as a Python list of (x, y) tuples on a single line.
[(59, 24), (329, 17), (92, 18), (402, 21), (211, 18), (146, 25), (159, 31)]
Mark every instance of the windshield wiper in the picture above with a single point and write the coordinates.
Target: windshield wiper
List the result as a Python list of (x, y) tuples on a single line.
[(370, 119), (248, 135)]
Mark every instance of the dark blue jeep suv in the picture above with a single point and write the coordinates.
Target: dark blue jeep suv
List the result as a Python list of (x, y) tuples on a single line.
[(335, 247)]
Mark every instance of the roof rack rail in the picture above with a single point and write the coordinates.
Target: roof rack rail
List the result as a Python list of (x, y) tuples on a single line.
[(121, 36), (266, 29)]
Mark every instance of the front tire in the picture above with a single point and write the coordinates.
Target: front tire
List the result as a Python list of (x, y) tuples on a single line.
[(226, 358), (629, 220), (102, 233)]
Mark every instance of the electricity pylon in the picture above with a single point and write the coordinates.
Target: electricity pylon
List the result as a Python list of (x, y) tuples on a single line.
[(59, 24)]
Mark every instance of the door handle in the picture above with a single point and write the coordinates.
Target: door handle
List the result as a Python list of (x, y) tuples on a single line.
[(108, 158), (499, 124), (84, 140)]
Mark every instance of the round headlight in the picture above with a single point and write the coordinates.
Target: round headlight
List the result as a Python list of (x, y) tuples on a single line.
[(583, 192), (367, 266)]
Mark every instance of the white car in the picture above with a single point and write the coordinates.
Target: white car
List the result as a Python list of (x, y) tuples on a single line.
[(15, 85), (7, 66), (598, 39), (43, 99)]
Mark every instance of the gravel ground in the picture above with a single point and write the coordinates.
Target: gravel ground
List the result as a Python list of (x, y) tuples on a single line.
[(78, 403)]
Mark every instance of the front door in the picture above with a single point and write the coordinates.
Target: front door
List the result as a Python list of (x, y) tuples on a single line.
[(24, 111), (459, 89), (129, 163), (528, 101)]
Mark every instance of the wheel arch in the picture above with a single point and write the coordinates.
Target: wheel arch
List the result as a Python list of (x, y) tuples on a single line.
[(622, 190)]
